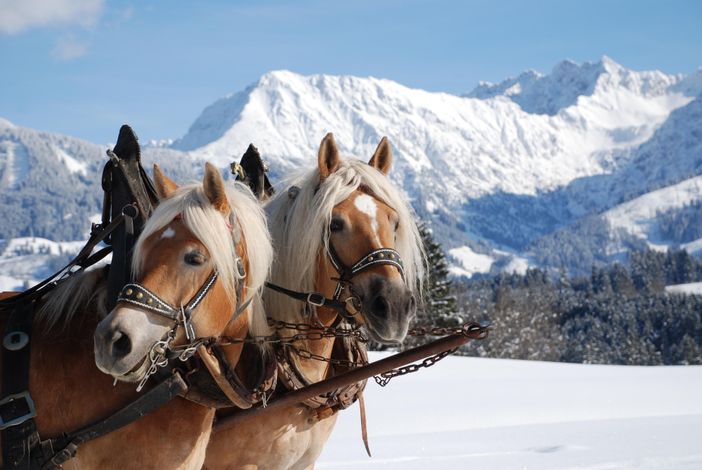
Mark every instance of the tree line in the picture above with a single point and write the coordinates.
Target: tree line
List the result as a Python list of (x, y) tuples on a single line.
[(619, 314)]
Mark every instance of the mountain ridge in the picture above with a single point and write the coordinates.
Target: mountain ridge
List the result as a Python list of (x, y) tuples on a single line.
[(494, 178)]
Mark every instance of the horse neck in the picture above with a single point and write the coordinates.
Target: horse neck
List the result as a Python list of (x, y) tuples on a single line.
[(70, 392), (237, 328), (316, 370)]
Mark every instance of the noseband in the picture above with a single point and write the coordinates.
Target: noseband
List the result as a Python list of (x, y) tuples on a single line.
[(162, 351), (379, 257), (142, 297), (350, 307)]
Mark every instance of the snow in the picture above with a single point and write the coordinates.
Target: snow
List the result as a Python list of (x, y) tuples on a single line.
[(637, 216), (504, 414), (516, 265), (13, 164), (73, 165), (469, 262), (693, 247), (690, 288), (28, 260), (453, 147)]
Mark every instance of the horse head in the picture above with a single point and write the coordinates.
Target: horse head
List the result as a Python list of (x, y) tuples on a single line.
[(349, 234), (194, 269)]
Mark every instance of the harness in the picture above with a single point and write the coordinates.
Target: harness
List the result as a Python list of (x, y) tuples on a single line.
[(350, 307), (163, 350), (128, 200), (345, 352)]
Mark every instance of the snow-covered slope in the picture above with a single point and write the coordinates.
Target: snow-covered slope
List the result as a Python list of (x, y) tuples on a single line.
[(498, 172), (460, 147), (490, 414), (497, 169)]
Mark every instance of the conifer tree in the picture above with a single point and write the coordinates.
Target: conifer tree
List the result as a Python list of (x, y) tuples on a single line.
[(440, 307)]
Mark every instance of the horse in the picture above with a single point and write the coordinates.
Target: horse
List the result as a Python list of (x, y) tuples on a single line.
[(73, 331), (342, 230)]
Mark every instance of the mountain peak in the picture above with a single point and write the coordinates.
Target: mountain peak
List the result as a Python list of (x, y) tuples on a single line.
[(5, 124), (536, 93)]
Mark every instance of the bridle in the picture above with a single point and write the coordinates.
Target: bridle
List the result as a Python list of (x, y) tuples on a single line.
[(378, 257), (351, 306), (163, 350)]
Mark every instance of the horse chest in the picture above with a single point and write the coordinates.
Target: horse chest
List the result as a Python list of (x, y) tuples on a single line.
[(290, 439)]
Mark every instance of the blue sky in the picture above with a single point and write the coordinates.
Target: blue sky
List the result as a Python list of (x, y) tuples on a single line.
[(84, 67)]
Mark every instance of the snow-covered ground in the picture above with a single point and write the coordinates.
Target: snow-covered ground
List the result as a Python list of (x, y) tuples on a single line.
[(26, 261), (690, 288), (471, 413)]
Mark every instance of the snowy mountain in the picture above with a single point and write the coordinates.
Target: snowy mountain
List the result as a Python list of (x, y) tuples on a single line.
[(496, 170), (514, 174)]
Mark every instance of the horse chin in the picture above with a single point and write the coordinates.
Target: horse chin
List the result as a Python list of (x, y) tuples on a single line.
[(134, 375), (118, 371), (385, 334)]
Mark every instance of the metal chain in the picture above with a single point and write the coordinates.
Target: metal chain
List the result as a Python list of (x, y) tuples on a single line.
[(385, 377), (438, 331), (306, 354), (307, 332)]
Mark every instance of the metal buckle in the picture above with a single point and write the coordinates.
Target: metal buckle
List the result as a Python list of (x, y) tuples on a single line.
[(20, 419), (316, 299)]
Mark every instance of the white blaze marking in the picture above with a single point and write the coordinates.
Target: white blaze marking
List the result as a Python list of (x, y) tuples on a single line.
[(367, 205), (168, 233)]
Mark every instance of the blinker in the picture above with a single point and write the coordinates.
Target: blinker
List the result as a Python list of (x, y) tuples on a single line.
[(15, 340)]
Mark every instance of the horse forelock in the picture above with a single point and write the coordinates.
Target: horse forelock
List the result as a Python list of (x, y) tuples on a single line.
[(246, 225), (299, 222)]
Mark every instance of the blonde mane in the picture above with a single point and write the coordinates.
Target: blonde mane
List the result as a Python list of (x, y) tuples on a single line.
[(300, 229), (210, 227), (73, 295)]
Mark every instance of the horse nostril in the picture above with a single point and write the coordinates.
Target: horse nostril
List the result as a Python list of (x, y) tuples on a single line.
[(121, 345), (380, 306)]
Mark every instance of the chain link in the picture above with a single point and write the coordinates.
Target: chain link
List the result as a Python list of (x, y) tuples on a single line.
[(306, 354), (306, 332), (318, 332), (385, 377)]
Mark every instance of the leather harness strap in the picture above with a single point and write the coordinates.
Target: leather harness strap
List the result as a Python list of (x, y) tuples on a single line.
[(19, 431), (65, 447), (82, 260)]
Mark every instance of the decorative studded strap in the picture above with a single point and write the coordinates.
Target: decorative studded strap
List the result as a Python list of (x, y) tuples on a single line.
[(142, 297), (379, 256), (375, 258)]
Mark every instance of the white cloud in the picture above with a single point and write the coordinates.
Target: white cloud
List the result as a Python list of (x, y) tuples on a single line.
[(19, 15), (69, 48)]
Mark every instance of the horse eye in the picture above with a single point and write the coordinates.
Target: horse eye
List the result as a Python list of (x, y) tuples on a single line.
[(195, 258), (336, 225)]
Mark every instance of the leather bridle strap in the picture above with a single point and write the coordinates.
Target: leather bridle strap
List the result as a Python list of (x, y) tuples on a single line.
[(381, 256), (312, 298), (82, 260), (142, 297)]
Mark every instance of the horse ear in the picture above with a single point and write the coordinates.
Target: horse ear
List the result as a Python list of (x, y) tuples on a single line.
[(328, 157), (165, 187), (213, 184), (382, 158)]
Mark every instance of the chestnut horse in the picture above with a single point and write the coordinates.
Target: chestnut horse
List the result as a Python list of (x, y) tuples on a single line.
[(334, 217), (68, 389)]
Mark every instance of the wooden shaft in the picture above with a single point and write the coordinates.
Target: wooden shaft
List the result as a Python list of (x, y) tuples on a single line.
[(353, 376)]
